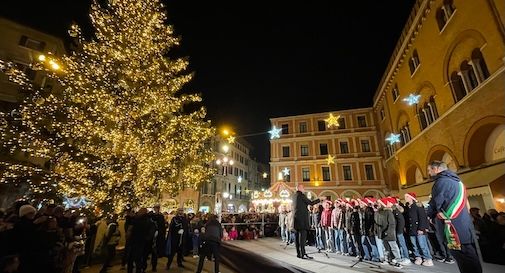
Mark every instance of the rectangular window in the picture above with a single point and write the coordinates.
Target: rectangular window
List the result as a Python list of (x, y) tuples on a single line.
[(344, 147), (341, 123), (241, 172), (235, 172), (395, 92), (347, 172), (31, 43), (369, 172), (245, 175), (305, 174), (230, 170), (285, 151), (326, 174), (304, 150), (321, 125), (361, 121), (285, 129), (365, 146), (303, 127), (323, 148), (414, 62)]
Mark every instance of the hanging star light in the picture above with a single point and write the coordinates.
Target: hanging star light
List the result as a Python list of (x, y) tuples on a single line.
[(231, 139), (285, 171), (239, 179), (275, 132), (332, 121), (412, 99), (393, 138), (330, 160)]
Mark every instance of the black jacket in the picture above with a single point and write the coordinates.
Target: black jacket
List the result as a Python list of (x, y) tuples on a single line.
[(356, 222), (400, 221), (213, 232), (300, 211), (369, 221), (386, 225), (177, 240), (417, 219)]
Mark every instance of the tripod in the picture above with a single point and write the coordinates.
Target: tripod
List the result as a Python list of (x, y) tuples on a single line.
[(360, 260)]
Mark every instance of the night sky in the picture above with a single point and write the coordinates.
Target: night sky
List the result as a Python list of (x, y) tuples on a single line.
[(254, 60)]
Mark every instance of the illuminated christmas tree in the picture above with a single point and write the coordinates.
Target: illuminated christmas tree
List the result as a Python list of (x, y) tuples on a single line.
[(119, 131)]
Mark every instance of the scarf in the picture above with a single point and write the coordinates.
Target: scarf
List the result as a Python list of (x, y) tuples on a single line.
[(453, 212)]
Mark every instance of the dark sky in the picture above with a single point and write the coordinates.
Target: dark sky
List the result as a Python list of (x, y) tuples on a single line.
[(254, 60)]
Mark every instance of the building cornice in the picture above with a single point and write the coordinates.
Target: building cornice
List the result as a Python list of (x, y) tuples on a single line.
[(345, 111)]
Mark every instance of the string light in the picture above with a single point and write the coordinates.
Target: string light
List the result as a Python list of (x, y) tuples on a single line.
[(118, 132)]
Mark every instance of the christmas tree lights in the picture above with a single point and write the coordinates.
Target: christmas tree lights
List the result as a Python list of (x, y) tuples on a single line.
[(118, 131)]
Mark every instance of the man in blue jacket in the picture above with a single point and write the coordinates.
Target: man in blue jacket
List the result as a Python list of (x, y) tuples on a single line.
[(448, 203)]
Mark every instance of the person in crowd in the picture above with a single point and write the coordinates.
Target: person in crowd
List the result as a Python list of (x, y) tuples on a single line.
[(326, 225), (368, 233), (386, 229), (357, 230), (196, 241), (233, 233), (110, 242), (282, 223), (417, 228), (301, 220), (315, 218), (141, 236), (161, 229), (352, 247), (179, 226), (129, 217), (448, 202), (338, 226), (400, 237), (211, 243)]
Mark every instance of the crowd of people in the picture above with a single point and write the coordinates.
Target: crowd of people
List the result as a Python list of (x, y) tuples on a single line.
[(398, 232), (54, 239)]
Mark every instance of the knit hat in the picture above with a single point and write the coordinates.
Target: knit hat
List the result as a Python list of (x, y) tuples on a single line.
[(412, 195), (26, 209)]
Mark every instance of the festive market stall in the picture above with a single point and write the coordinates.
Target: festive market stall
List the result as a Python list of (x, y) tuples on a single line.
[(270, 200)]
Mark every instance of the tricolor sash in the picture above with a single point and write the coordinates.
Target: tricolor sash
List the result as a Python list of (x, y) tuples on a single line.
[(452, 212)]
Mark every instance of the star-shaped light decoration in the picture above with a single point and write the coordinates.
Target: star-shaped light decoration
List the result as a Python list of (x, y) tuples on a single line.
[(231, 139), (275, 132), (412, 99), (393, 138), (332, 121), (285, 171), (330, 160), (239, 179)]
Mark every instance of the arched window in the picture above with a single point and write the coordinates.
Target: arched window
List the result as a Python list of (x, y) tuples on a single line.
[(458, 88), (414, 62), (428, 113), (405, 134), (472, 73), (479, 65), (444, 13)]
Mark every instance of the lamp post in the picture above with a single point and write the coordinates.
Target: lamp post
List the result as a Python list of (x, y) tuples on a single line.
[(226, 162)]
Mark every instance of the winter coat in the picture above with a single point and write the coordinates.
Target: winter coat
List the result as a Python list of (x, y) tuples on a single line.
[(177, 240), (369, 221), (400, 221), (444, 193), (300, 211), (213, 232), (386, 225), (416, 219), (347, 220), (113, 235), (326, 218), (356, 223), (290, 221)]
